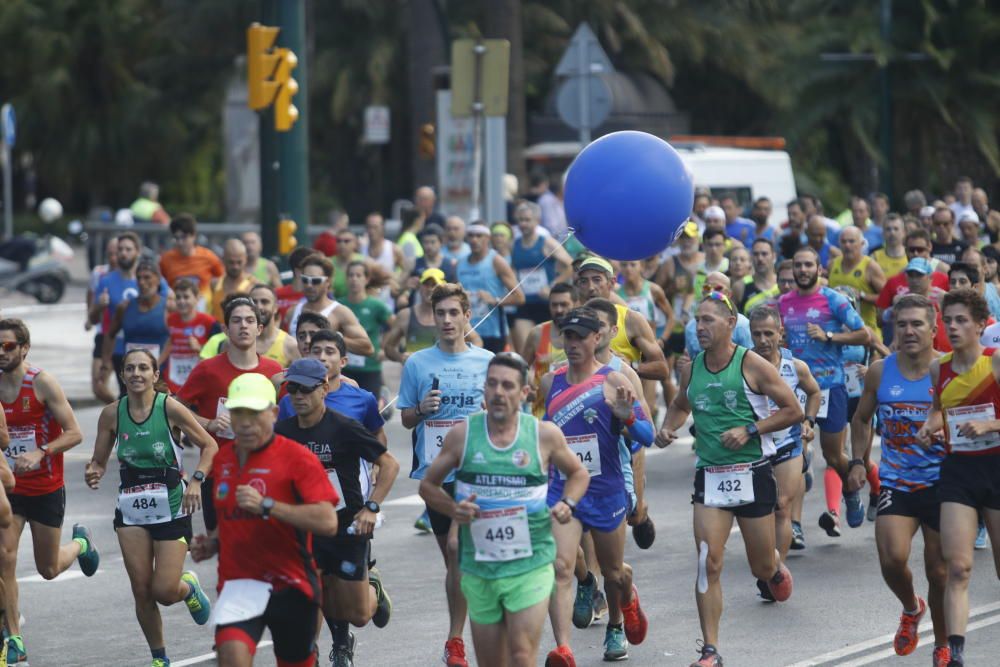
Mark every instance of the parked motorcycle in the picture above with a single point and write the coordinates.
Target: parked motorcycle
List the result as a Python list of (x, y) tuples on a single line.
[(45, 273)]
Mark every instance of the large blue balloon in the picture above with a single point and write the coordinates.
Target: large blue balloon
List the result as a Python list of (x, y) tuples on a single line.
[(628, 195)]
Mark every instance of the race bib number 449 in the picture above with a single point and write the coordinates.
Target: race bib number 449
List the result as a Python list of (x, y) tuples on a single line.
[(501, 534)]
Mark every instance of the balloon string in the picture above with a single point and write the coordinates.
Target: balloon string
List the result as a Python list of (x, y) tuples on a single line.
[(500, 302)]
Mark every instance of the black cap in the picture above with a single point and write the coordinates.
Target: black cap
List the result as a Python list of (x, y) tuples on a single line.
[(581, 326)]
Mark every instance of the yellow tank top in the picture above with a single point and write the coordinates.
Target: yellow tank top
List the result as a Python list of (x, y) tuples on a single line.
[(620, 344), (891, 266), (218, 296), (856, 279), (277, 349)]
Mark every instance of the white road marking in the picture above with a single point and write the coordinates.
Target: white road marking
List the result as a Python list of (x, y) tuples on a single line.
[(413, 500), (209, 657), (65, 576), (39, 308), (832, 657)]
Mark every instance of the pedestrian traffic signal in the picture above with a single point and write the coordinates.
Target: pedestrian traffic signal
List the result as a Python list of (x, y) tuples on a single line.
[(261, 62), (286, 236), (285, 113), (427, 143)]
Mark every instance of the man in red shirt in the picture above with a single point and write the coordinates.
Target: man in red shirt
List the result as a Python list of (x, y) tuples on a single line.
[(189, 330), (41, 427), (206, 387), (272, 495)]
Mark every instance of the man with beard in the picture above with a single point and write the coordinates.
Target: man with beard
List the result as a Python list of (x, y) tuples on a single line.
[(273, 342), (814, 317), (236, 278), (759, 214), (315, 272)]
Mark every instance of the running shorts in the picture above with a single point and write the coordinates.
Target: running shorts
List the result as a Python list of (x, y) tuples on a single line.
[(291, 617), (786, 453), (971, 480), (603, 513), (47, 509), (343, 557), (923, 504), (441, 523), (765, 492), (489, 598), (177, 529), (836, 411)]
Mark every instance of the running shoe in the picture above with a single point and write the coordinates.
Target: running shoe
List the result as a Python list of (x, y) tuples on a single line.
[(454, 653), (161, 662), (16, 653), (343, 656), (955, 663), (907, 635), (798, 537), (197, 602), (91, 558), (383, 608), (3, 651), (830, 522), (644, 533), (583, 606), (982, 541), (634, 619), (942, 656), (872, 507), (615, 645), (764, 591), (781, 584), (560, 656), (423, 523), (709, 658), (855, 509), (600, 603)]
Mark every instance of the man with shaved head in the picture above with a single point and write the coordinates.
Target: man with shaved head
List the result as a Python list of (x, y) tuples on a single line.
[(424, 200), (816, 232), (860, 272), (261, 268), (235, 279)]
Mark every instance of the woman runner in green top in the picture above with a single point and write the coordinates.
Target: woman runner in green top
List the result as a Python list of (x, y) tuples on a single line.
[(153, 519)]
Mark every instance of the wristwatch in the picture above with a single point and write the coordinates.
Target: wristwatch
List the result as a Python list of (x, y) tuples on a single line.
[(811, 421), (198, 476), (569, 503), (829, 336), (752, 429), (266, 506), (855, 462), (373, 507)]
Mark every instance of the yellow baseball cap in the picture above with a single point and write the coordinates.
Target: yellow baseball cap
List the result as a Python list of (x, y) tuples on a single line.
[(437, 275), (598, 264), (251, 391), (691, 229)]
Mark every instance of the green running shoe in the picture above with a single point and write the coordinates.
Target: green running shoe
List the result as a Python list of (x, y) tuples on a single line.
[(383, 609), (91, 558), (583, 606), (423, 523), (197, 602), (615, 645), (16, 654), (161, 662)]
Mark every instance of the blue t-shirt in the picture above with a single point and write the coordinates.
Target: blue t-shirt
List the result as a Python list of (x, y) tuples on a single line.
[(873, 236), (742, 229), (120, 288), (741, 335), (462, 253), (460, 379), (354, 402)]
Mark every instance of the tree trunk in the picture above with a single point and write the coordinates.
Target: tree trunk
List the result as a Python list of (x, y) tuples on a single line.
[(503, 21), (427, 50)]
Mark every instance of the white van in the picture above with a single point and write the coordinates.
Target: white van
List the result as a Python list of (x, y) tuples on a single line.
[(745, 173)]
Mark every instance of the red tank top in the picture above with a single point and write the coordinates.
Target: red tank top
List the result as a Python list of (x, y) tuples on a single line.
[(30, 424)]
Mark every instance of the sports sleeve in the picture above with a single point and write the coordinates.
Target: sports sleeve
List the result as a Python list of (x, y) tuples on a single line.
[(373, 420), (842, 310), (408, 388), (311, 482)]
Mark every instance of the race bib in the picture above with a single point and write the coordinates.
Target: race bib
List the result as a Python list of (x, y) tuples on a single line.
[(153, 348), (145, 504), (335, 480), (434, 432), (852, 379), (355, 360), (220, 411), (532, 281), (477, 306), (970, 413), (587, 450), (824, 402), (22, 441), (501, 534), (181, 367), (240, 600), (729, 486)]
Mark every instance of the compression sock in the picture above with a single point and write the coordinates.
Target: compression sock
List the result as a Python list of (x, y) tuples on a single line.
[(834, 489), (341, 632), (873, 481), (956, 643), (84, 546)]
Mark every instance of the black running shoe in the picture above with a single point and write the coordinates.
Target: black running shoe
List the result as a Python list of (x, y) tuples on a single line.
[(644, 533)]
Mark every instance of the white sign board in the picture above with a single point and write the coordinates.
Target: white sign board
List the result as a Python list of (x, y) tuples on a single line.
[(377, 121), (455, 164)]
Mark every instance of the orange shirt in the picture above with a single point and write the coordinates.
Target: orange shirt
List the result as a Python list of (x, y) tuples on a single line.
[(200, 268)]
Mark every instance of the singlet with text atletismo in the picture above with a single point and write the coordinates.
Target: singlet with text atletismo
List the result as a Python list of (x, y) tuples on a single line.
[(721, 401), (505, 481), (975, 389)]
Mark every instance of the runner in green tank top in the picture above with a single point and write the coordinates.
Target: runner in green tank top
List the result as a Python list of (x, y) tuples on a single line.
[(501, 459), (726, 387), (141, 423)]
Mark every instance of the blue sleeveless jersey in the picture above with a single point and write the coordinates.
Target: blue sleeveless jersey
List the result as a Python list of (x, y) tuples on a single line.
[(902, 409), (582, 415), (482, 276)]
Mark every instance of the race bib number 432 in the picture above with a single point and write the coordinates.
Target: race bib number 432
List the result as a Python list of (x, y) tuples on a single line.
[(729, 486)]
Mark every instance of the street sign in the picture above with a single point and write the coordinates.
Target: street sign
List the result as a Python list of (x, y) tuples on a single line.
[(599, 98), (377, 125), (584, 40), (480, 73), (9, 122)]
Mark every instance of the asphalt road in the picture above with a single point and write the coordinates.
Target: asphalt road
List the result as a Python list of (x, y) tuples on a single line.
[(841, 613)]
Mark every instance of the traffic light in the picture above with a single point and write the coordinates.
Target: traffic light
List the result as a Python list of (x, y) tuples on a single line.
[(286, 236), (285, 113), (261, 61), (427, 143)]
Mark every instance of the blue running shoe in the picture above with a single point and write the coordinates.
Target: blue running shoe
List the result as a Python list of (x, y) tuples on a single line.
[(855, 509), (615, 645), (197, 602), (91, 558), (583, 606), (982, 541), (16, 654), (423, 523)]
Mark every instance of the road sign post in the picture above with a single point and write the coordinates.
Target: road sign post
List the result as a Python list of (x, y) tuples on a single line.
[(584, 99), (9, 129)]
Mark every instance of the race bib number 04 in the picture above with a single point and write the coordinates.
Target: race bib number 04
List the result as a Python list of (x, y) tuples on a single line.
[(587, 450), (729, 486), (501, 534)]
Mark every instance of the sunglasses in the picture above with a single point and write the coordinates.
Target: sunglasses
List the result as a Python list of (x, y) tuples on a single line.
[(346, 239), (707, 289), (295, 388), (9, 346), (719, 296), (315, 281), (917, 249)]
